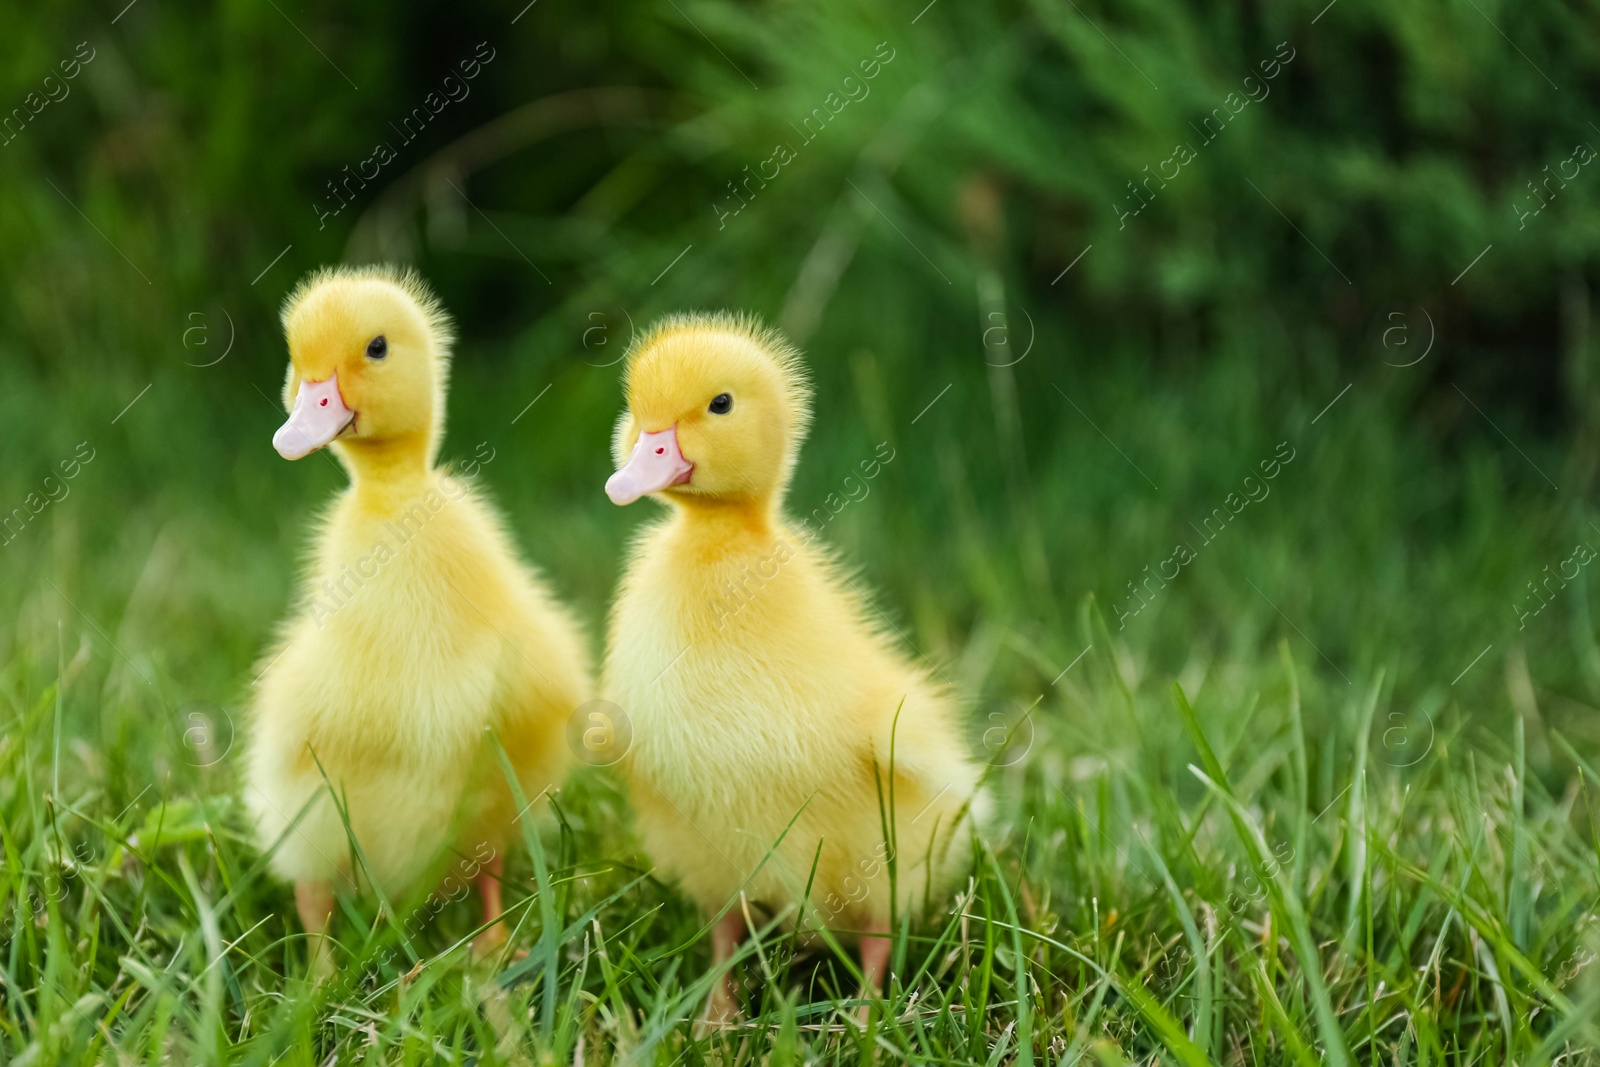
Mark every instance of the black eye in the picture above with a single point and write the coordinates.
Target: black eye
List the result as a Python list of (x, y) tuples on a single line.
[(377, 348), (721, 404)]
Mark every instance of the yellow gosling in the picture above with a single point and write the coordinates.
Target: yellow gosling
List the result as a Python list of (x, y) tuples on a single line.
[(762, 696), (417, 632)]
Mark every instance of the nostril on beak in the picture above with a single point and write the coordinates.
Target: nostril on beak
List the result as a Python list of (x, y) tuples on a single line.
[(659, 451), (324, 401)]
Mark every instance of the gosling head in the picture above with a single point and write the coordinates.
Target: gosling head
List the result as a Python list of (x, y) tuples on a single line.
[(717, 408), (368, 360)]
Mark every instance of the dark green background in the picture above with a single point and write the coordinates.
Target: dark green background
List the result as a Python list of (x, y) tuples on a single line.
[(919, 237)]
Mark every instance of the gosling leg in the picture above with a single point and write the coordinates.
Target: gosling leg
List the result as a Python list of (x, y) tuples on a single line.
[(493, 938), (723, 1004), (875, 946), (314, 901)]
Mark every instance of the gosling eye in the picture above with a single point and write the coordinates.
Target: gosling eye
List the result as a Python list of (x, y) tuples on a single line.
[(721, 404), (377, 348)]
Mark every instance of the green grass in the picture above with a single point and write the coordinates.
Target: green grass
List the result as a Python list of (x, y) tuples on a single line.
[(1278, 861), (1344, 839), (1323, 799), (1365, 842)]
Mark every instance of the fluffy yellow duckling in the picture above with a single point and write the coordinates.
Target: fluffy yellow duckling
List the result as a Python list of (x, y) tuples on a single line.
[(418, 631), (759, 690)]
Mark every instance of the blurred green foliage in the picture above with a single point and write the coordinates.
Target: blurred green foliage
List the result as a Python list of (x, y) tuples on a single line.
[(580, 186), (1336, 254)]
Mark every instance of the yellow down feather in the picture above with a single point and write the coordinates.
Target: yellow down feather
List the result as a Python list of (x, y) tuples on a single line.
[(417, 629), (762, 696)]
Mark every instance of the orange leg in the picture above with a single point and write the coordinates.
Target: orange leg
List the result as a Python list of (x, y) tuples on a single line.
[(314, 902), (493, 938), (875, 945), (723, 1003)]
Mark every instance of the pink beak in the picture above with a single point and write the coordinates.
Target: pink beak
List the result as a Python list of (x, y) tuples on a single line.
[(318, 417), (655, 464)]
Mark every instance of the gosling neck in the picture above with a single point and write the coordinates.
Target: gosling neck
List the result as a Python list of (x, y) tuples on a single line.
[(389, 472), (752, 516)]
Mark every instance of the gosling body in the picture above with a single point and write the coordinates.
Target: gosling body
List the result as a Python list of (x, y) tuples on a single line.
[(784, 748), (418, 632)]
